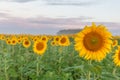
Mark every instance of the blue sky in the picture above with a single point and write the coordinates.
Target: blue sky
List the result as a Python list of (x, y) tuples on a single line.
[(50, 16)]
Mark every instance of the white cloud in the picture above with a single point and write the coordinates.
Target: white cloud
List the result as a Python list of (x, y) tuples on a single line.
[(70, 2), (20, 1), (47, 22)]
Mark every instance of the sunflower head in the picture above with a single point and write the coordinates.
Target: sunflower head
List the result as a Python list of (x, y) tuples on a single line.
[(35, 38), (44, 38), (8, 41), (115, 43), (93, 42), (2, 37), (39, 47), (19, 40), (26, 43), (64, 41), (13, 41), (53, 43), (25, 38), (56, 38), (116, 57)]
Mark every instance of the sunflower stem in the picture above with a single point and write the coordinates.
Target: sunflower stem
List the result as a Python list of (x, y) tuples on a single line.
[(114, 73), (89, 73), (37, 66), (6, 75), (13, 50)]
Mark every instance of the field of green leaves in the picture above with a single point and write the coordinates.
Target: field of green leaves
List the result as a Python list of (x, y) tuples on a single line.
[(57, 63)]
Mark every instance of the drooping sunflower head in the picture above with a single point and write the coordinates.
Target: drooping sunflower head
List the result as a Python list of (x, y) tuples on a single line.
[(116, 57), (26, 43), (39, 47), (64, 41), (93, 42), (115, 43)]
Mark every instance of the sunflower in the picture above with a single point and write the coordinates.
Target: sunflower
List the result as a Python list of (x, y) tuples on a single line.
[(26, 43), (53, 43), (115, 43), (35, 38), (2, 37), (39, 47), (93, 43), (57, 38), (8, 41), (14, 41), (21, 37), (44, 38), (25, 38), (117, 57), (19, 40), (64, 41)]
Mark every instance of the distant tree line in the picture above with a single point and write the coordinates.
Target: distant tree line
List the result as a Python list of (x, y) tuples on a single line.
[(69, 31)]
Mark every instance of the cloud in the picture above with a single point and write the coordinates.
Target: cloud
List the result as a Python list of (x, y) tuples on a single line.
[(47, 25), (19, 1), (58, 21), (71, 2), (2, 14), (22, 1)]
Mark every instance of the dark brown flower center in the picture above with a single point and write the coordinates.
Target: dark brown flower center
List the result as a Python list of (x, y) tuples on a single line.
[(63, 40), (39, 46), (26, 42), (93, 41), (119, 55)]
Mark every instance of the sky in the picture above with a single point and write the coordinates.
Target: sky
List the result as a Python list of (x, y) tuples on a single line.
[(50, 16)]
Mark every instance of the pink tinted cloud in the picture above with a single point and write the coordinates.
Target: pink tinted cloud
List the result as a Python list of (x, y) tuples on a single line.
[(46, 22), (41, 22)]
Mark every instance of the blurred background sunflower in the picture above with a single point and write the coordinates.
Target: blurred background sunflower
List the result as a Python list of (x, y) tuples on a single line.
[(39, 47), (26, 43), (64, 41), (13, 41), (117, 57), (115, 43)]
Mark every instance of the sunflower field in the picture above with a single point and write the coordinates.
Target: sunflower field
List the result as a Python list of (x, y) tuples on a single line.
[(91, 54)]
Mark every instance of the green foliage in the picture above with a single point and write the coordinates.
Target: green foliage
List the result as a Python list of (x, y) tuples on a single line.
[(58, 63)]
